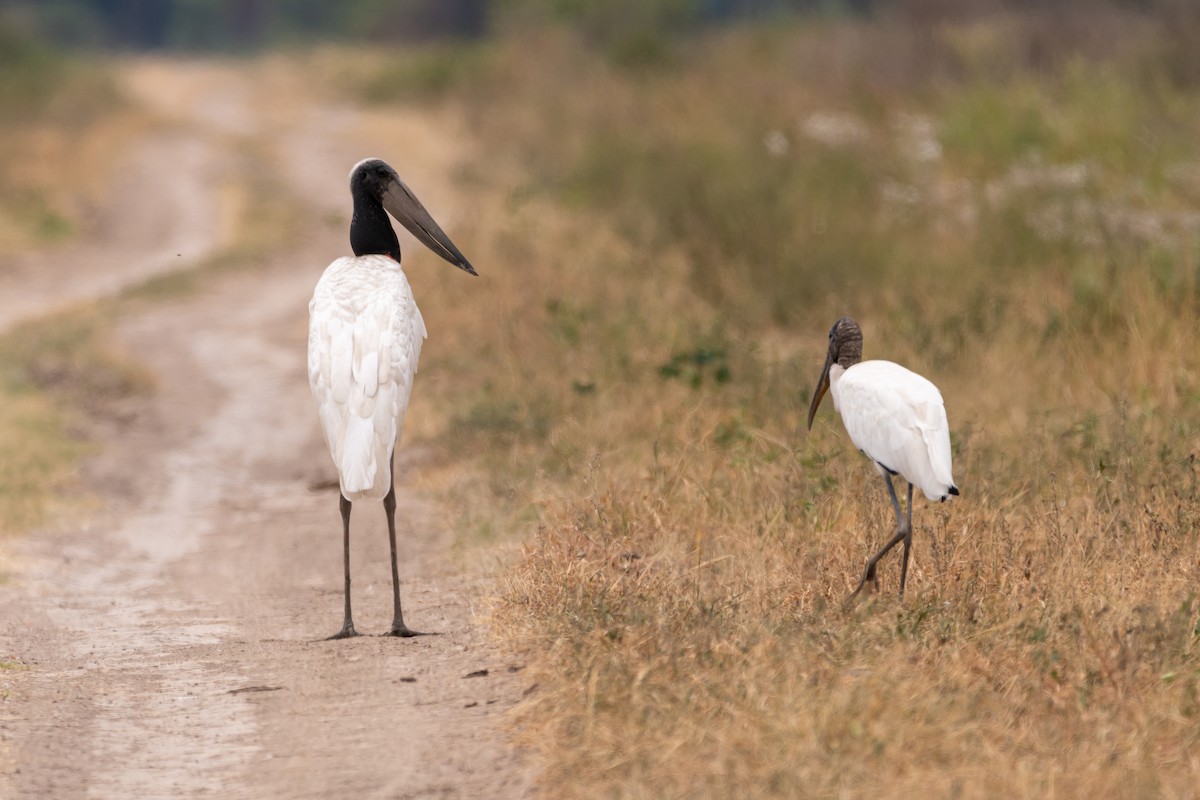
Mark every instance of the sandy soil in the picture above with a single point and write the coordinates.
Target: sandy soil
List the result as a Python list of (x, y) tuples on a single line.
[(172, 641)]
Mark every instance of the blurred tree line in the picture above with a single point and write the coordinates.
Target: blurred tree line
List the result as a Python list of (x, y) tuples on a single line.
[(249, 24), (238, 24)]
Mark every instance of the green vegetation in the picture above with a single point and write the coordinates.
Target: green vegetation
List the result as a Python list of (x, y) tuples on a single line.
[(44, 93), (37, 81), (428, 73)]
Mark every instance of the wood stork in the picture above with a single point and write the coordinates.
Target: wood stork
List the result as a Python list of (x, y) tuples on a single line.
[(364, 338), (897, 418)]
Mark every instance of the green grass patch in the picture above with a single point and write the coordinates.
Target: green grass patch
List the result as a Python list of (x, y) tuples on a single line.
[(419, 74), (37, 81), (37, 459)]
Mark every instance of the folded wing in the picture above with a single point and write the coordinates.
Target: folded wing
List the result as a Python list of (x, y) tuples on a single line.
[(365, 336)]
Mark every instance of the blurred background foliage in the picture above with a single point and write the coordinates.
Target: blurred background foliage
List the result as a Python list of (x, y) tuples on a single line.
[(243, 24)]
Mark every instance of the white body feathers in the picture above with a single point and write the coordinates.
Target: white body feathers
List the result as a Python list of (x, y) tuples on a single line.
[(364, 338), (898, 419)]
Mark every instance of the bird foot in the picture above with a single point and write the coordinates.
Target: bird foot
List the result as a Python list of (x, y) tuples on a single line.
[(347, 632), (404, 632), (869, 580)]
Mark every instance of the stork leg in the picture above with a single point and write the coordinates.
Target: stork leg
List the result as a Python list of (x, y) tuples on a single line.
[(348, 624), (903, 534), (907, 528), (398, 627)]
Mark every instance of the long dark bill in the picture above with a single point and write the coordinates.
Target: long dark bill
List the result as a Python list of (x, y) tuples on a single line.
[(402, 204), (819, 392)]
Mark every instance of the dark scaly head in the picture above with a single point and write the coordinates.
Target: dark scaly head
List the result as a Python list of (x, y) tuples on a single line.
[(845, 350)]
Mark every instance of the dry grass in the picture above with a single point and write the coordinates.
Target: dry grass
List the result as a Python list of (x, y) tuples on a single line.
[(36, 461), (627, 387), (54, 374)]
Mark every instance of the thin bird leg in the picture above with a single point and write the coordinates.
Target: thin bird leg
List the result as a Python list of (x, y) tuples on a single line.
[(869, 572), (348, 624), (907, 528), (398, 627)]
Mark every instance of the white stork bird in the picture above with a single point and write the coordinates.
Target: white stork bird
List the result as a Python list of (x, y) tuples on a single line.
[(897, 418), (364, 338)]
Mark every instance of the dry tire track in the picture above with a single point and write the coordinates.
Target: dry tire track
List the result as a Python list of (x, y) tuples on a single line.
[(174, 641), (162, 225)]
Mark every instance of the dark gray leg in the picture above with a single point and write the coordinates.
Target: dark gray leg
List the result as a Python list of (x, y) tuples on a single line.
[(906, 527), (903, 534), (398, 627), (348, 624)]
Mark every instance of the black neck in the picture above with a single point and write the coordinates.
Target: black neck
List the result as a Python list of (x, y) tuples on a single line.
[(371, 230)]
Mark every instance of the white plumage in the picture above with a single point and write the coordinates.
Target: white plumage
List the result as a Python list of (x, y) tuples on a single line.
[(364, 339), (898, 419)]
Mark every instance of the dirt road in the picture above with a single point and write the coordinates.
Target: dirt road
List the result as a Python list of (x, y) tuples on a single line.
[(173, 641)]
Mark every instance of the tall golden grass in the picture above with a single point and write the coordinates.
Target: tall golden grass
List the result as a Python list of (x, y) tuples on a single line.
[(666, 248)]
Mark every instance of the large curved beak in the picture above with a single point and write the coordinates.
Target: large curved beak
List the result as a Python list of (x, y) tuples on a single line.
[(819, 392), (402, 204)]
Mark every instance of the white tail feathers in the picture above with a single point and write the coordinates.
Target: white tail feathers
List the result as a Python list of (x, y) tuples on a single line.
[(358, 468)]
